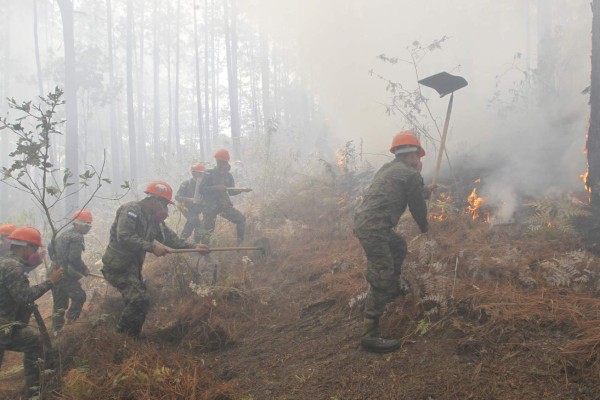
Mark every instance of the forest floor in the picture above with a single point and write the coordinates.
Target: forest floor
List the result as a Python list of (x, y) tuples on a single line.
[(493, 312)]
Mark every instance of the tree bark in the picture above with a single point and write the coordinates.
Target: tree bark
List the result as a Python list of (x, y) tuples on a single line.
[(198, 92), (232, 75), (156, 71), (130, 110), (265, 72), (71, 136), (140, 101), (207, 21), (115, 137), (176, 105), (36, 42), (593, 139)]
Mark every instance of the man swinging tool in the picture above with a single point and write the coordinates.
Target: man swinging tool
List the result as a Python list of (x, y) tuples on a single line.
[(133, 233), (216, 187), (395, 186), (189, 198)]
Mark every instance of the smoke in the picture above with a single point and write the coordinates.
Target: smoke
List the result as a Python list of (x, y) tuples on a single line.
[(520, 125)]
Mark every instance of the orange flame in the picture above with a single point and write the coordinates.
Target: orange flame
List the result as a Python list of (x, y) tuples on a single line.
[(438, 211), (584, 178), (474, 207)]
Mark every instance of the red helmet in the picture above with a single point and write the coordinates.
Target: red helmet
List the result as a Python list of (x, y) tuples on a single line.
[(7, 229), (406, 138), (160, 189), (197, 167), (26, 235), (83, 217), (222, 155)]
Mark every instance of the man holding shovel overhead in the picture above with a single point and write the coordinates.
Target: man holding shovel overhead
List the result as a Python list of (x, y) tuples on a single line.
[(133, 233), (397, 185)]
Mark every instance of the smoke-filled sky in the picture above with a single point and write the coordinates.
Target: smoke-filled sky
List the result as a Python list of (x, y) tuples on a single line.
[(533, 148)]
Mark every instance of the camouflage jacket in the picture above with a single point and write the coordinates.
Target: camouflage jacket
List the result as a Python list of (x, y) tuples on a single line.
[(66, 253), (133, 232), (16, 294), (186, 191), (212, 199), (394, 187)]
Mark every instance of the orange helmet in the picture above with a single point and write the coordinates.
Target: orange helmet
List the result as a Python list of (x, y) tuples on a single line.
[(222, 155), (160, 189), (83, 217), (406, 138), (26, 235), (197, 167), (7, 229)]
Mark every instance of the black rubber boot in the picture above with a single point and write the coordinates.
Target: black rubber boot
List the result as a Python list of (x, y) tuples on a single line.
[(372, 340)]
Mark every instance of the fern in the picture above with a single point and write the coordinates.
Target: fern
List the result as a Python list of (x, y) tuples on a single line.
[(555, 214)]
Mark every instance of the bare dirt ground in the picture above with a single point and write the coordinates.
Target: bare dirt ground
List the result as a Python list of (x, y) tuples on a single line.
[(492, 313)]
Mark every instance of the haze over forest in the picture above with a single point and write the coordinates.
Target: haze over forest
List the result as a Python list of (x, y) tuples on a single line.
[(304, 87)]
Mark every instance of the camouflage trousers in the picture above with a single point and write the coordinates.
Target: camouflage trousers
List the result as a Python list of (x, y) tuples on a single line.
[(231, 215), (26, 341), (67, 289), (385, 252), (192, 224), (123, 271)]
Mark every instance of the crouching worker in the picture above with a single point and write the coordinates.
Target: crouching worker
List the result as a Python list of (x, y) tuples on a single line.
[(395, 186), (16, 297), (133, 233), (66, 253)]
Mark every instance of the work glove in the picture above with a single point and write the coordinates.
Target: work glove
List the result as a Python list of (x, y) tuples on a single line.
[(203, 249)]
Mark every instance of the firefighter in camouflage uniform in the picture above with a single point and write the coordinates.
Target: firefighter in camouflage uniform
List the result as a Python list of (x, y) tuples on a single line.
[(216, 187), (66, 253), (138, 229), (395, 186), (189, 202), (16, 297), (5, 231)]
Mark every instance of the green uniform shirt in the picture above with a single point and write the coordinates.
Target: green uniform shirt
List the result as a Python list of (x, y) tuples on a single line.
[(66, 253), (186, 191), (134, 231), (15, 292), (394, 187)]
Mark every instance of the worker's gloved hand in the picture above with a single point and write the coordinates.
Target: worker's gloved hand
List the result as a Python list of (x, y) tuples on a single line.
[(203, 249), (159, 250), (220, 188), (56, 275)]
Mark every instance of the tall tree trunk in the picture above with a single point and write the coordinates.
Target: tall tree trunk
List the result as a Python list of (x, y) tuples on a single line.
[(71, 137), (156, 71), (214, 90), (115, 136), (140, 101), (176, 108), (169, 87), (207, 21), (232, 75), (198, 93), (6, 26), (36, 42), (593, 139), (130, 110), (265, 72)]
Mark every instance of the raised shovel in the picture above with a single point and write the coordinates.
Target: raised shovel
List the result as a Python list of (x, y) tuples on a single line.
[(443, 83)]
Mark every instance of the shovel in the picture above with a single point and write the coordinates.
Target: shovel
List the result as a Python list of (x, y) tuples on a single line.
[(444, 83)]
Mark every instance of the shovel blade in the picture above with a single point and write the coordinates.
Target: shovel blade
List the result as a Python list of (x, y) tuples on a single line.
[(265, 247), (444, 83)]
